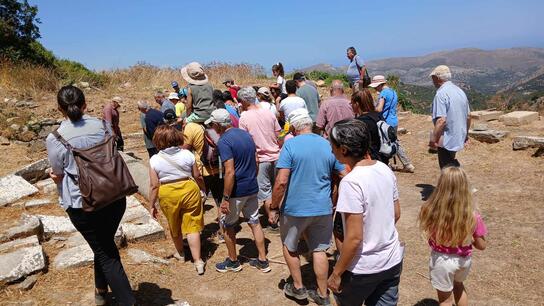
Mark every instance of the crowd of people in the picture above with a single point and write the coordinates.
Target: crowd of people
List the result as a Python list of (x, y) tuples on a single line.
[(317, 169)]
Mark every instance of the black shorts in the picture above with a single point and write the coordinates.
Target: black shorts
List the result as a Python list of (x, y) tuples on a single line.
[(338, 227), (215, 185)]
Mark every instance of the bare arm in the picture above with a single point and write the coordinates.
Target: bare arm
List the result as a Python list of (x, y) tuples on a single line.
[(479, 243), (189, 110), (280, 186), (362, 72), (228, 184), (154, 185), (439, 127), (469, 121), (397, 211), (198, 178), (353, 238), (381, 103)]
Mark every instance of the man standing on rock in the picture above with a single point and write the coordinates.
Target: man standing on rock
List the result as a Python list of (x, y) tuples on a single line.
[(450, 117), (111, 116)]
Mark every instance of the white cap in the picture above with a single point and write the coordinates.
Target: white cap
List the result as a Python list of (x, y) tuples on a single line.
[(173, 96), (441, 72), (219, 115), (298, 114), (117, 99)]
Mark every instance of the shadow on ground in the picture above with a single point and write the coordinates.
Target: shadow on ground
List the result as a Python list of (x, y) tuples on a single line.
[(152, 294), (426, 191), (427, 302)]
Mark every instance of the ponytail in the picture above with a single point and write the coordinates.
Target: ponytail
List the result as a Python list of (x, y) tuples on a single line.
[(279, 69), (71, 100)]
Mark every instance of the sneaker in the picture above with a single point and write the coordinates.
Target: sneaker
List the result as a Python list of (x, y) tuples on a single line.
[(409, 168), (319, 300), (199, 266), (180, 257), (228, 265), (100, 298), (264, 266), (299, 294)]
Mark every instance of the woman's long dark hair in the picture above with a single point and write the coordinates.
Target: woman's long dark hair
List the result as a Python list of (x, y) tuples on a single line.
[(71, 100)]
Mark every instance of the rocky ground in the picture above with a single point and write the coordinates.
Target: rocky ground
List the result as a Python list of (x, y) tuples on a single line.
[(509, 195)]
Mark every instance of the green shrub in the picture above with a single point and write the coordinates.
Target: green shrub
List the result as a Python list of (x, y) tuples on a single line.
[(72, 72)]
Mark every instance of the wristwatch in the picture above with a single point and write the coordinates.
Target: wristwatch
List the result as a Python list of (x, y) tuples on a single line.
[(226, 197)]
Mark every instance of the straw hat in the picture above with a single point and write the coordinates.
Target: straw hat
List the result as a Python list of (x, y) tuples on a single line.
[(194, 74)]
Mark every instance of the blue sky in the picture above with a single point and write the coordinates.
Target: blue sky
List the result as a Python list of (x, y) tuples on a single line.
[(105, 34)]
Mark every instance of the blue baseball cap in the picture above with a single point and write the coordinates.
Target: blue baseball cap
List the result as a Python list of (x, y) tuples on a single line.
[(175, 84)]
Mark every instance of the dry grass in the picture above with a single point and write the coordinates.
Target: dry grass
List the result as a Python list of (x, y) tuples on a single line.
[(25, 80)]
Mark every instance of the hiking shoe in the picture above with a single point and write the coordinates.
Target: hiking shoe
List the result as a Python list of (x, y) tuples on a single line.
[(199, 266), (264, 266), (319, 300), (100, 298), (409, 168), (299, 294), (228, 265)]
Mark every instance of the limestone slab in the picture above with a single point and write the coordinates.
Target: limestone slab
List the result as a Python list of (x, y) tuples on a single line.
[(56, 224), (18, 243), (135, 212), (74, 257), (488, 136), (35, 171), (525, 142), (38, 202), (139, 172), (28, 226), (13, 188), (150, 230), (484, 115), (76, 239), (518, 118), (21, 262), (139, 257)]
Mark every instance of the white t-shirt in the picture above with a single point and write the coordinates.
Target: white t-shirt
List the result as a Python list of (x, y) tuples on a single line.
[(281, 82), (371, 191), (168, 172), (268, 106), (289, 104)]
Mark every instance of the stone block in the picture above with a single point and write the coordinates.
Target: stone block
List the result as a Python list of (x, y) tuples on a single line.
[(519, 118), (74, 257), (56, 225), (13, 188), (525, 142), (28, 226), (488, 136), (139, 257), (76, 239), (485, 115), (132, 201), (35, 171), (21, 262), (134, 213), (150, 230), (48, 186), (38, 202), (18, 243), (139, 172), (28, 283)]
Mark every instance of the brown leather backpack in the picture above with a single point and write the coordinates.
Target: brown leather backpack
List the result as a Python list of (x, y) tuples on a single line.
[(103, 177)]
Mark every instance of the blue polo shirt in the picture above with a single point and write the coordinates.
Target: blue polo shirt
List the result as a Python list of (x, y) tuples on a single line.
[(310, 159)]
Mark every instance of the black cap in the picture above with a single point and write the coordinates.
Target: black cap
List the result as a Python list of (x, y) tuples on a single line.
[(169, 115), (299, 76)]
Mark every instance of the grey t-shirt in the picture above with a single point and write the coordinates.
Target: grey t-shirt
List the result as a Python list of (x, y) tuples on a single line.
[(311, 97), (451, 102), (81, 134), (167, 104)]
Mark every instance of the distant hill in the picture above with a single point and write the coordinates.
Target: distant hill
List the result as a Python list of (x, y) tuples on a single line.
[(482, 73)]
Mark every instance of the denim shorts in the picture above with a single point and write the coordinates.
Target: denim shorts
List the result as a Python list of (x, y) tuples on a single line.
[(316, 230)]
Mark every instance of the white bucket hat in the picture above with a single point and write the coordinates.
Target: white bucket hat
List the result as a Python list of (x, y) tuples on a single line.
[(377, 80), (194, 74)]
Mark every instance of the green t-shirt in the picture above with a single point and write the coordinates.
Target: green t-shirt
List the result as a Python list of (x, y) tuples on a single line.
[(311, 97)]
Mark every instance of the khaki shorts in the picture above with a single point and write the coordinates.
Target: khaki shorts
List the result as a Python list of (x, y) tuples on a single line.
[(317, 232), (444, 269), (248, 206)]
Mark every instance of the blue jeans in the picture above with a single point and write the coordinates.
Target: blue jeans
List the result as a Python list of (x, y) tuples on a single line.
[(380, 289)]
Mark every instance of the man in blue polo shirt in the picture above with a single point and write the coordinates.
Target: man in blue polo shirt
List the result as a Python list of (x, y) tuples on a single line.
[(305, 170), (238, 154)]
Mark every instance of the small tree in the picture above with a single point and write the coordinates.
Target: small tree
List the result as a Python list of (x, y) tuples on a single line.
[(394, 82)]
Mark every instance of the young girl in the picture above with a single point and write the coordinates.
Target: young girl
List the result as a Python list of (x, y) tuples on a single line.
[(278, 72), (452, 225)]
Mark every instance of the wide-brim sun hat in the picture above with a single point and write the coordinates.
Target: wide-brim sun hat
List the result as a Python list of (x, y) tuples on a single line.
[(264, 91), (377, 81), (194, 74)]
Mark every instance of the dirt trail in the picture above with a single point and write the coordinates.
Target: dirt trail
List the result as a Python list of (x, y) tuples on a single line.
[(509, 196)]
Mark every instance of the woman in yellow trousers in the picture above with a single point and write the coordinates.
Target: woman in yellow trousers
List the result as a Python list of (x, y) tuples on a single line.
[(177, 183)]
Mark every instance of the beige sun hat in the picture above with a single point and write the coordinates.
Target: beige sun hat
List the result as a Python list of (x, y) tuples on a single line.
[(264, 91), (194, 74), (173, 96), (441, 71), (377, 80), (117, 99)]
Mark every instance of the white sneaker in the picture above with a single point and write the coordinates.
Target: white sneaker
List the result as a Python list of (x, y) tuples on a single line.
[(409, 168), (180, 257), (199, 266)]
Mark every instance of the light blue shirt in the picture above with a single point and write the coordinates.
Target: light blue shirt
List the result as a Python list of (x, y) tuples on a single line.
[(84, 133), (167, 104), (310, 159), (451, 102), (389, 111), (353, 71)]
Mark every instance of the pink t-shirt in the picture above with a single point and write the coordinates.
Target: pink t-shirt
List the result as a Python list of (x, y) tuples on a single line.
[(465, 250), (264, 128)]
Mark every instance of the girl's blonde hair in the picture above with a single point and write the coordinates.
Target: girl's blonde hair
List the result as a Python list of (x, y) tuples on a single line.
[(447, 217)]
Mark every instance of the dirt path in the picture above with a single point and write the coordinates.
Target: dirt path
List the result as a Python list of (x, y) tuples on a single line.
[(510, 196)]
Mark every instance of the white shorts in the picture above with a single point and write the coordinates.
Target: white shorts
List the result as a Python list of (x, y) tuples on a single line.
[(248, 206), (444, 269)]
